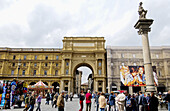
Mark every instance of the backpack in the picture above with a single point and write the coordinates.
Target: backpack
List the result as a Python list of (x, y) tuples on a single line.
[(128, 102)]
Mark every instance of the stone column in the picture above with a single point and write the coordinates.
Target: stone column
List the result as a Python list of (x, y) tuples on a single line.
[(63, 67), (130, 90), (103, 67), (69, 87), (104, 86), (2, 69), (70, 67), (110, 75), (118, 86), (61, 85), (40, 69), (79, 82), (144, 27), (96, 86), (51, 68), (49, 83), (166, 70)]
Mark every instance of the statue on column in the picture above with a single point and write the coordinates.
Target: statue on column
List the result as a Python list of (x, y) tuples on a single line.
[(141, 11)]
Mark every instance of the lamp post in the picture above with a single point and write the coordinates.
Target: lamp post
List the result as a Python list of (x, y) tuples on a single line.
[(19, 64)]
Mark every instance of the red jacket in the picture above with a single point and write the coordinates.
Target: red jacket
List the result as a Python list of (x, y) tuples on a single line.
[(88, 98)]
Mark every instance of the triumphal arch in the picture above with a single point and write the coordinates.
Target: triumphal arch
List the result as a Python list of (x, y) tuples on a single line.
[(83, 51), (56, 67)]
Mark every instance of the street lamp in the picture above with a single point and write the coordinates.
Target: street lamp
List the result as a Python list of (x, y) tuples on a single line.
[(19, 64)]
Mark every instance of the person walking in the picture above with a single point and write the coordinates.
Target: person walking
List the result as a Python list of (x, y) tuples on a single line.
[(112, 101), (60, 102), (153, 102), (52, 97), (47, 98), (66, 97), (55, 100), (88, 101), (102, 102), (97, 101), (26, 102), (120, 101), (39, 102), (71, 96), (81, 100), (32, 101), (167, 99)]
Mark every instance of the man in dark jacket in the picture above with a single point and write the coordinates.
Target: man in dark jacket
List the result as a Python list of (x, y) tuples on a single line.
[(167, 98), (32, 102), (153, 103)]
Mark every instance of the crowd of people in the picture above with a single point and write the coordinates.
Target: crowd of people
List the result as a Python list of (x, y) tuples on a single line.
[(103, 102), (123, 101)]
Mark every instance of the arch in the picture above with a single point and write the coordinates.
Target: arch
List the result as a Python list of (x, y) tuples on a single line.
[(80, 64), (89, 65), (32, 83), (56, 86), (45, 83)]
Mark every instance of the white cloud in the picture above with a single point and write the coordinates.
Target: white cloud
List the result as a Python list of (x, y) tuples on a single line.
[(44, 23)]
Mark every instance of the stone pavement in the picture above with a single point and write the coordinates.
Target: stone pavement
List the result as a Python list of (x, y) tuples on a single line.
[(69, 106)]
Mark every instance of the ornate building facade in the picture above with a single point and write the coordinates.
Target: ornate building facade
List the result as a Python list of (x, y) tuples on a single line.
[(133, 56), (56, 67)]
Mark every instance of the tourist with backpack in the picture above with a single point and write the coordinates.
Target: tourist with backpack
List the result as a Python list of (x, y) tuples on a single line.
[(128, 103), (26, 102)]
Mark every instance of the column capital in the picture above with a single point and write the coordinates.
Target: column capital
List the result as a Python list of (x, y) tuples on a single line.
[(143, 25)]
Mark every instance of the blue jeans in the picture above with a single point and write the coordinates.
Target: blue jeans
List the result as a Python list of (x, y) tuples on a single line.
[(101, 109), (47, 102), (97, 107), (38, 108), (168, 106), (31, 107)]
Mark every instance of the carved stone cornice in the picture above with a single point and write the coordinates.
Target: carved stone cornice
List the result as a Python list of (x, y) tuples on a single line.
[(143, 25)]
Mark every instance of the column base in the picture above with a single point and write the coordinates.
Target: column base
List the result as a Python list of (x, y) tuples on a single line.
[(150, 88), (130, 90)]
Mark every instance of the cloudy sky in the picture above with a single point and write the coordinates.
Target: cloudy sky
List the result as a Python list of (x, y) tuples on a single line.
[(44, 23)]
